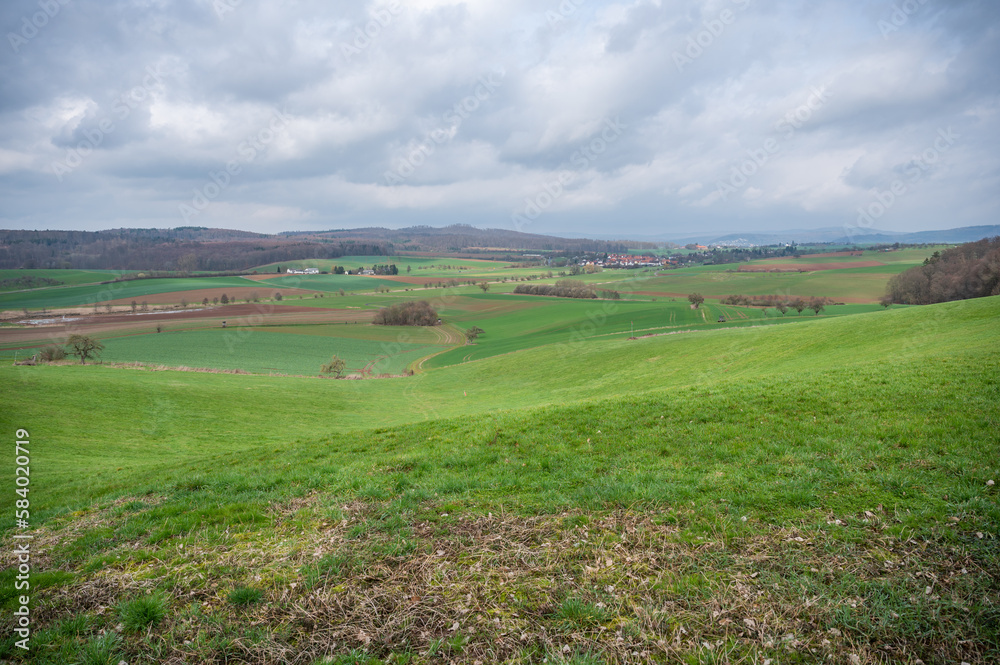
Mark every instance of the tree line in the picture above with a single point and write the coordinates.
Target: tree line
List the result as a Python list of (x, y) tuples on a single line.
[(971, 270), (167, 249), (565, 288), (782, 303)]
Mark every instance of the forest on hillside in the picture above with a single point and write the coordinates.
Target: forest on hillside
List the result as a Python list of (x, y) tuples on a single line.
[(971, 270), (195, 248)]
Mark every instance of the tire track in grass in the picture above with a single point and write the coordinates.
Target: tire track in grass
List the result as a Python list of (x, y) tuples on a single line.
[(449, 337)]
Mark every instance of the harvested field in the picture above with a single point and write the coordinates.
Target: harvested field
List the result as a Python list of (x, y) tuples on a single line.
[(197, 295), (235, 316), (419, 281), (808, 267), (657, 294), (826, 254), (264, 276)]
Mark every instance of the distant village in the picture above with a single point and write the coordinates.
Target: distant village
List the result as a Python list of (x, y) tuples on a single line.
[(628, 261)]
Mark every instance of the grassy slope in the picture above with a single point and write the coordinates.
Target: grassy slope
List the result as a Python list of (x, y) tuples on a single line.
[(262, 351), (849, 444), (867, 284), (181, 405)]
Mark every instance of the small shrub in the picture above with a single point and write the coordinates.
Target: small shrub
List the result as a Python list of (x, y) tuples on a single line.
[(142, 612), (336, 366), (245, 596), (52, 352)]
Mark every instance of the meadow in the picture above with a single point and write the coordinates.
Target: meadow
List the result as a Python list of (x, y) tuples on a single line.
[(794, 488), (87, 294)]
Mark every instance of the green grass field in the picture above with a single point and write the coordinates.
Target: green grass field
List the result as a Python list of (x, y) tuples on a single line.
[(67, 277), (837, 439), (863, 284), (262, 351), (784, 489), (77, 296)]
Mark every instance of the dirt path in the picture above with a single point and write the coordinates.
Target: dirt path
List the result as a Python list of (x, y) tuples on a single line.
[(448, 335)]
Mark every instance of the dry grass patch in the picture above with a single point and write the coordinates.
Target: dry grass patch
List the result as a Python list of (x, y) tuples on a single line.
[(622, 587)]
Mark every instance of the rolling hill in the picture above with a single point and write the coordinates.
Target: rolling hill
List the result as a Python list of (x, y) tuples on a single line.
[(691, 497)]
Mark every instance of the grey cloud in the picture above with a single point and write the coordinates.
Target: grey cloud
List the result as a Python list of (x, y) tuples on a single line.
[(364, 84)]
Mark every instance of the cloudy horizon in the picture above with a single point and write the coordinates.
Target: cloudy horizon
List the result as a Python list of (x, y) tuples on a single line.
[(640, 118)]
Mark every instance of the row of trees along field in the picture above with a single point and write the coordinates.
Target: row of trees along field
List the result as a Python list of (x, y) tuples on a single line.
[(565, 288), (971, 270), (780, 302)]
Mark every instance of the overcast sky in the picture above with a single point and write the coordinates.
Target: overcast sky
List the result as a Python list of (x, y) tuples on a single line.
[(629, 119)]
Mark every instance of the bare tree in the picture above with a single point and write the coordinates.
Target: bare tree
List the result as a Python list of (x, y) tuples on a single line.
[(84, 347)]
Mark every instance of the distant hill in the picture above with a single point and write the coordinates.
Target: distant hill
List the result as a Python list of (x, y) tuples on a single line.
[(837, 236), (950, 236), (463, 238)]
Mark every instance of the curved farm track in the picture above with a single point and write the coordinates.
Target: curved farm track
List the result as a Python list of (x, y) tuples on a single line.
[(448, 335)]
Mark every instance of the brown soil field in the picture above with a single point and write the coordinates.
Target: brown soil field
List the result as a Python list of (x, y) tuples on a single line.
[(197, 295), (660, 294), (809, 267), (419, 281), (668, 294), (234, 316), (816, 256), (267, 275)]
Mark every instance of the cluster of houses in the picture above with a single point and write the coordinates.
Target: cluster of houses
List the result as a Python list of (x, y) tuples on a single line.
[(629, 261)]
